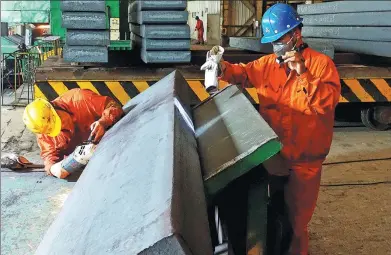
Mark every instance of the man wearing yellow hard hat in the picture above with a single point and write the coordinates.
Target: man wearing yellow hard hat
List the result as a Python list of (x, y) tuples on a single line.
[(66, 122)]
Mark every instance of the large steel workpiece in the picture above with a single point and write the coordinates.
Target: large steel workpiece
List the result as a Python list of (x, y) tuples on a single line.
[(232, 137), (142, 191)]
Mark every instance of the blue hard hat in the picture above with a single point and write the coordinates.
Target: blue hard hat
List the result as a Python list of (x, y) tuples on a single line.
[(278, 20)]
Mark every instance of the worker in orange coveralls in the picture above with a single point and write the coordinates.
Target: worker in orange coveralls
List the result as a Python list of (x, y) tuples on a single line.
[(200, 30), (67, 121), (297, 97)]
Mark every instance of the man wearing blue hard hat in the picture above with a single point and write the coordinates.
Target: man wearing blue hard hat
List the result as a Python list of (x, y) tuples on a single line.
[(298, 90)]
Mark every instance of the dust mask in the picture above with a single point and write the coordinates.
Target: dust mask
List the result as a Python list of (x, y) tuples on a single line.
[(280, 48)]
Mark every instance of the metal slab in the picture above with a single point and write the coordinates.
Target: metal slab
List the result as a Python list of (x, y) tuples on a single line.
[(229, 148), (323, 47), (364, 47), (126, 203), (83, 6), (94, 54), (84, 20), (349, 19), (161, 44), (250, 43), (158, 17), (143, 5), (161, 31), (166, 56), (87, 37), (351, 33), (343, 7), (29, 204)]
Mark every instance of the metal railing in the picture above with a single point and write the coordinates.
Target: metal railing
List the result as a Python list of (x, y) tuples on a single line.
[(18, 72)]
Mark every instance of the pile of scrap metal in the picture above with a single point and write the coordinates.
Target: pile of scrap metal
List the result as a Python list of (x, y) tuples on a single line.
[(160, 29), (350, 26), (87, 37), (157, 172)]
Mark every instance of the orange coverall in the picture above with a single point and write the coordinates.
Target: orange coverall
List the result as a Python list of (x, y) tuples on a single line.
[(300, 109), (200, 30), (78, 109)]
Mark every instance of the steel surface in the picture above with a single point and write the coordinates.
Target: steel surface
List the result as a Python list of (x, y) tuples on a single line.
[(357, 46), (161, 31), (227, 147), (127, 203), (166, 56), (144, 5), (83, 6), (351, 33), (93, 54), (343, 7), (349, 19), (87, 37), (158, 17), (161, 44), (84, 20)]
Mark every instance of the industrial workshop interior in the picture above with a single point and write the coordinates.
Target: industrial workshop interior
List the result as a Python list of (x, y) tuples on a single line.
[(225, 127)]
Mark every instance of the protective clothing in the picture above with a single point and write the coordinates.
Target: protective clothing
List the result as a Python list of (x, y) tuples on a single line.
[(278, 20), (200, 30), (41, 118), (77, 109), (300, 109)]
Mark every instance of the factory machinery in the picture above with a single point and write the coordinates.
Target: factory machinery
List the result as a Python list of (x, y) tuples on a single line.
[(120, 48)]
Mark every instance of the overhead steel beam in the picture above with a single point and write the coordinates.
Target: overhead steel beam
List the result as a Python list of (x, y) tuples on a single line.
[(142, 192), (248, 5), (246, 26)]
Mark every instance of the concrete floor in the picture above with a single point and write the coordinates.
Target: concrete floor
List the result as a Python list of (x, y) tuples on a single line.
[(354, 209)]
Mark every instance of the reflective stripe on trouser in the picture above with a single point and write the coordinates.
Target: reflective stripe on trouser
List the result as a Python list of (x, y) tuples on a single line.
[(301, 194)]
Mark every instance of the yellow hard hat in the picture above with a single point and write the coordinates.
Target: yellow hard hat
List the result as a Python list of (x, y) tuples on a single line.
[(40, 117)]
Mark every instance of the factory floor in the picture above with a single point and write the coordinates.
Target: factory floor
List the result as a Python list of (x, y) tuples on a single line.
[(353, 214)]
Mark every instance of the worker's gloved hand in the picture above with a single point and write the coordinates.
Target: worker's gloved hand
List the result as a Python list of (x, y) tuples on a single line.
[(211, 68), (98, 129), (58, 171)]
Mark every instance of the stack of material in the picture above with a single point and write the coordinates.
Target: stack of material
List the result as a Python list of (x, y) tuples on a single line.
[(159, 28), (254, 44), (87, 38), (350, 26)]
